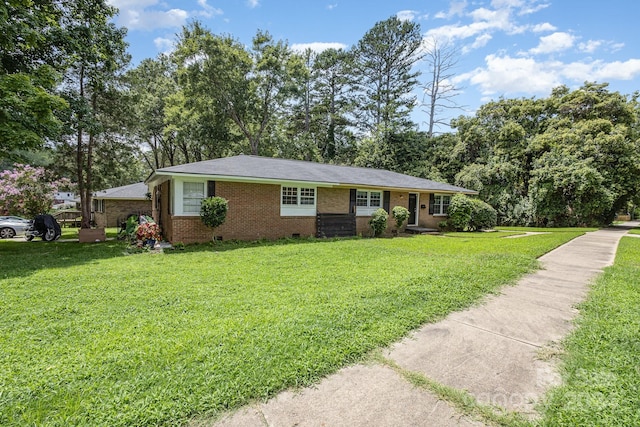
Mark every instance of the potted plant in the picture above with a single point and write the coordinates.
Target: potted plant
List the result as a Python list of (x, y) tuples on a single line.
[(148, 233)]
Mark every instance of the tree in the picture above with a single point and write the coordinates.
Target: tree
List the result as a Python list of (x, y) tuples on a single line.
[(27, 190), (378, 222), (250, 88), (400, 215), (29, 57), (384, 60), (331, 105), (152, 84), (213, 212), (439, 90), (97, 56)]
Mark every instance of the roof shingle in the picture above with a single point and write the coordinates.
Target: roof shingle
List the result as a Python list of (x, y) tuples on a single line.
[(268, 168)]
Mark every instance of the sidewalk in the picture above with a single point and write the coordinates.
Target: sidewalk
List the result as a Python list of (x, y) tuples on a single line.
[(495, 351)]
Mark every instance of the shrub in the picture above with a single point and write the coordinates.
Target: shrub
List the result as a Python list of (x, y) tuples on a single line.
[(459, 212), (378, 222), (213, 212), (400, 215), (483, 216)]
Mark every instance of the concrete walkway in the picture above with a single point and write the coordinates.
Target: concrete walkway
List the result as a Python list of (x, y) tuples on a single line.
[(498, 352)]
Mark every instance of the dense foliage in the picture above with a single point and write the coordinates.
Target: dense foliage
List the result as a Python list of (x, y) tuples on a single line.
[(400, 215), (213, 211), (570, 159), (378, 222)]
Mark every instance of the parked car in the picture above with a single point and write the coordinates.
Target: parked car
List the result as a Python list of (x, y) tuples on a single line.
[(11, 226)]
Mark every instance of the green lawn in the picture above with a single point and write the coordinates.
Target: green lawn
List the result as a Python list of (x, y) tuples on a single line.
[(602, 365), (634, 231), (72, 233), (93, 336)]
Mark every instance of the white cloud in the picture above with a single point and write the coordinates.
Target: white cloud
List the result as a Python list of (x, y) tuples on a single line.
[(164, 45), (617, 70), (541, 28), (555, 42), (590, 46), (317, 46), (406, 15), (455, 9), (332, 6), (253, 3), (152, 19), (508, 76), (207, 10), (481, 41)]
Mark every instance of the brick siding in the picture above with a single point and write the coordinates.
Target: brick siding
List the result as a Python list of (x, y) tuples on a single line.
[(254, 213), (117, 210)]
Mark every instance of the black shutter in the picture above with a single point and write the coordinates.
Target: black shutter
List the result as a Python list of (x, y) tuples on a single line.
[(211, 188), (432, 202), (386, 200), (352, 201)]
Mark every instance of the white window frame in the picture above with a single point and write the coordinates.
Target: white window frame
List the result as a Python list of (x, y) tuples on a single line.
[(438, 207), (98, 205), (370, 208), (306, 200), (179, 193)]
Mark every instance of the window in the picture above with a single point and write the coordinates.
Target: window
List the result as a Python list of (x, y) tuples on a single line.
[(290, 196), (298, 201), (308, 196), (367, 202), (192, 196), (98, 205), (441, 204)]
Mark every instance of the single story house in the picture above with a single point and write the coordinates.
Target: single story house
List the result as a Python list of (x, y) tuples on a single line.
[(273, 198), (112, 207)]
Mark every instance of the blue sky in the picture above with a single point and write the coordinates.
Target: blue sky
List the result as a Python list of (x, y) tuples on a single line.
[(510, 48)]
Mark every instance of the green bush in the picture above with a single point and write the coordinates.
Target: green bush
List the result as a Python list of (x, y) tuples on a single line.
[(400, 215), (378, 222), (213, 211), (460, 210), (483, 216), (470, 214)]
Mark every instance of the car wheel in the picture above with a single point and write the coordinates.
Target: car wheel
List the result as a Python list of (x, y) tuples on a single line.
[(7, 233), (50, 235)]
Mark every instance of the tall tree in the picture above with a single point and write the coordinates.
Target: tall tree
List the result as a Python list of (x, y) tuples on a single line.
[(152, 83), (97, 57), (251, 88), (439, 90), (29, 58), (332, 106), (384, 61)]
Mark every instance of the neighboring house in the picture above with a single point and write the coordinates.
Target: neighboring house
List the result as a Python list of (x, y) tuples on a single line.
[(64, 200), (112, 207), (273, 198)]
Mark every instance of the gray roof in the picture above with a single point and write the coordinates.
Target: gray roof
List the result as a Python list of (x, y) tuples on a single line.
[(268, 168), (137, 191)]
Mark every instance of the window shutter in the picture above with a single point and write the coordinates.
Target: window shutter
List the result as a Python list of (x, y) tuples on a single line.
[(432, 201), (352, 201), (211, 188), (386, 200)]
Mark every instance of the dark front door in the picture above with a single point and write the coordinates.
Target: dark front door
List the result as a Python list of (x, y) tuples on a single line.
[(413, 208)]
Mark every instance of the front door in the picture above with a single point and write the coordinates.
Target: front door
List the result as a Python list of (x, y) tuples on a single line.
[(413, 209)]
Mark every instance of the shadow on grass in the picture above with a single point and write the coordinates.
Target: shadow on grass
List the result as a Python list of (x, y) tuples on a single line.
[(230, 245), (20, 258)]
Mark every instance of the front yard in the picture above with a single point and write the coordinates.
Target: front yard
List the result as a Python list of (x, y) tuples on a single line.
[(92, 336)]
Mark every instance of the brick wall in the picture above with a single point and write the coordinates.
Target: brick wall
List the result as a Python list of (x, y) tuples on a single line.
[(115, 210), (254, 213)]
